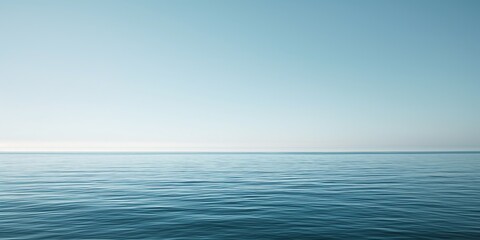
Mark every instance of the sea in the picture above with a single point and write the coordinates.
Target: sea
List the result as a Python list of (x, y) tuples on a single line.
[(240, 196)]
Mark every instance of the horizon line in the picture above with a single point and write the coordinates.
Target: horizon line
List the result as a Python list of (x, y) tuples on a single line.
[(246, 152)]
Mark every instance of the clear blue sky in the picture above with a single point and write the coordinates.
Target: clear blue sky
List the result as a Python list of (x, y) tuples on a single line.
[(240, 75)]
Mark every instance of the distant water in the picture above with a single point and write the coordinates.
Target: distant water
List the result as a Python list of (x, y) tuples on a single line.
[(240, 196)]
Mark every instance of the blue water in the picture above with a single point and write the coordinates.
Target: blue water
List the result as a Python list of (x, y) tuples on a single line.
[(240, 196)]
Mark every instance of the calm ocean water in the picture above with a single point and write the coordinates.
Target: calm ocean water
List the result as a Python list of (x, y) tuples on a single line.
[(240, 196)]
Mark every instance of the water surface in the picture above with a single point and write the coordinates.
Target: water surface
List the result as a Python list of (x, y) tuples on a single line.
[(240, 196)]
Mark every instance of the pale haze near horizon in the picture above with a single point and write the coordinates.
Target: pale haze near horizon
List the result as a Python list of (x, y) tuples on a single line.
[(239, 75)]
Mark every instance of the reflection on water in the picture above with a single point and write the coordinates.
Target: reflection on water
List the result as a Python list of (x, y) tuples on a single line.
[(240, 196)]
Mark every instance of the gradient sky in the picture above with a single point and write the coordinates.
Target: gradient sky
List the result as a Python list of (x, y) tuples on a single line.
[(239, 75)]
